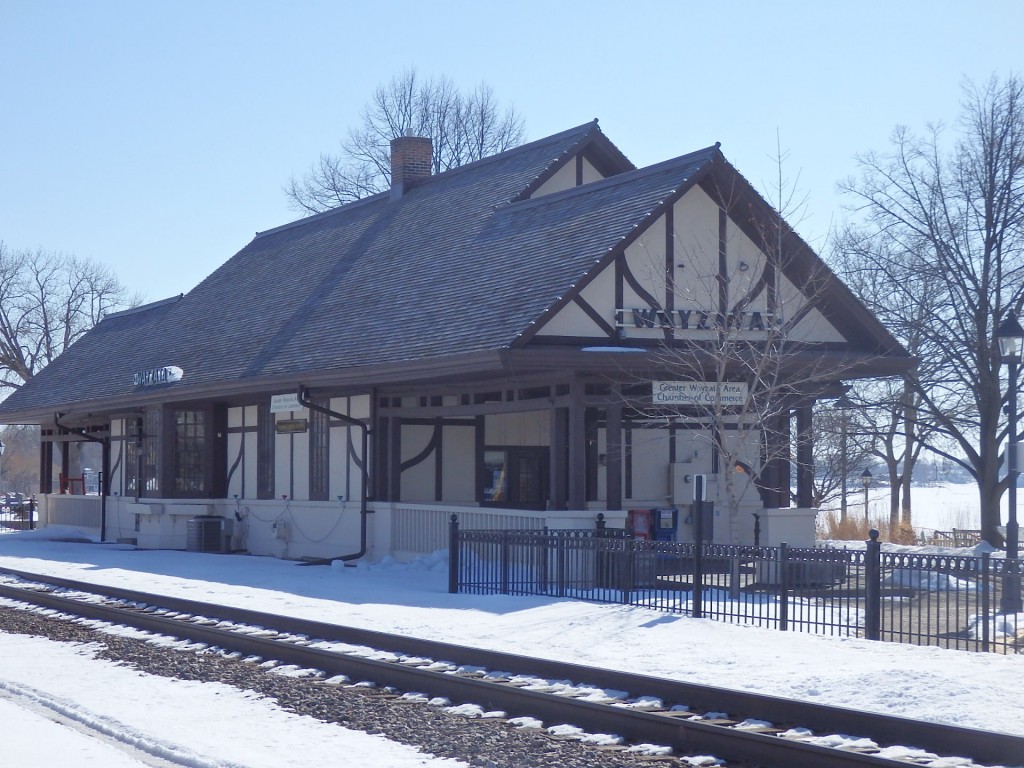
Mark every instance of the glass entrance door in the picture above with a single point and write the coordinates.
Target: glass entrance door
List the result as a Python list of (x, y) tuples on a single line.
[(515, 477)]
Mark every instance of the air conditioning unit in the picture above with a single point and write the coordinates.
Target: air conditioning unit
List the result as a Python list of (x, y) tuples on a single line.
[(206, 533)]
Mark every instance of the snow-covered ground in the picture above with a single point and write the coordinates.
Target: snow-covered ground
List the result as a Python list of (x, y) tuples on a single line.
[(110, 709)]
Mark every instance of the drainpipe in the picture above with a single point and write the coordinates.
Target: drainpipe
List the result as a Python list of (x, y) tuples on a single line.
[(105, 464), (363, 512)]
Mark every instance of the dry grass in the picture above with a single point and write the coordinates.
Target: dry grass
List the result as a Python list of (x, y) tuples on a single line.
[(856, 528)]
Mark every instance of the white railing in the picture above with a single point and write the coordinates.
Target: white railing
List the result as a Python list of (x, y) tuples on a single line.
[(424, 528), (72, 510)]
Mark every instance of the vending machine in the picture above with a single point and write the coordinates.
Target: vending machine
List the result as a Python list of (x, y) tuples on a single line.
[(666, 524), (638, 524)]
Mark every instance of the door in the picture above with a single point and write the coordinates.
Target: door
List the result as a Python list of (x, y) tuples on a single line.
[(515, 477)]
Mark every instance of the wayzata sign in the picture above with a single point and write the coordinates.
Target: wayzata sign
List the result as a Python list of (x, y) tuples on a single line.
[(695, 319), (166, 375)]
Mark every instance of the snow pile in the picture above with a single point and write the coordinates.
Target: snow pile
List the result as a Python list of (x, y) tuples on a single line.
[(928, 581)]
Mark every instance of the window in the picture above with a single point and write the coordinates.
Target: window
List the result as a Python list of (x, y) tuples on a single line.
[(150, 447), (319, 454), (130, 455), (190, 452), (515, 477), (265, 436)]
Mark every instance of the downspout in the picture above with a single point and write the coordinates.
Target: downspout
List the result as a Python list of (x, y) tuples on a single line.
[(363, 512), (105, 463)]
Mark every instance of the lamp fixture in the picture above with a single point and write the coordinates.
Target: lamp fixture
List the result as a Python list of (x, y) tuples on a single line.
[(1010, 336)]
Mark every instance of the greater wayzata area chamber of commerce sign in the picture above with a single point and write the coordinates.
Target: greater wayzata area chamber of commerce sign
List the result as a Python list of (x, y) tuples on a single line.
[(699, 393)]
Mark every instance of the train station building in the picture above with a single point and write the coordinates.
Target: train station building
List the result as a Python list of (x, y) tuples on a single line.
[(525, 341)]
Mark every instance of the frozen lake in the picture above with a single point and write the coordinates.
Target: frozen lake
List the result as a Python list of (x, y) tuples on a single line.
[(940, 507)]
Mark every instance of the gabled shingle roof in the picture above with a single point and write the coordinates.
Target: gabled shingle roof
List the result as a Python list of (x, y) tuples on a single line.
[(446, 269), (460, 264)]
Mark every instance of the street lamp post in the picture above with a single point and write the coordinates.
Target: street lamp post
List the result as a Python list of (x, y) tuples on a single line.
[(1010, 336), (843, 405), (865, 479)]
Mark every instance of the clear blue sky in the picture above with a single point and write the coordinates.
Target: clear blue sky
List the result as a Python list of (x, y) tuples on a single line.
[(156, 137)]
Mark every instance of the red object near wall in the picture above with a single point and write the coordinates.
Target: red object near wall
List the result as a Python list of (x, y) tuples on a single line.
[(70, 484), (638, 523)]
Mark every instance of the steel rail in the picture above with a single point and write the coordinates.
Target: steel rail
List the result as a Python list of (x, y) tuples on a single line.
[(684, 735)]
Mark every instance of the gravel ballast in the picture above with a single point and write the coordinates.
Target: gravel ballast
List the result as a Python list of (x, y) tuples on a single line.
[(485, 742)]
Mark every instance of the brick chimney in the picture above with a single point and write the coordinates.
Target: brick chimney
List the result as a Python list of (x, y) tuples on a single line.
[(411, 158)]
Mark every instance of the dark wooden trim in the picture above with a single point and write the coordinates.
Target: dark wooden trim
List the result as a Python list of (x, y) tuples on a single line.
[(594, 315), (65, 459), (613, 457), (633, 283), (46, 467), (116, 467), (804, 457), (558, 487), (430, 420), (238, 462), (395, 460), (217, 452), (619, 292), (590, 427), (579, 169), (439, 461), (670, 265), (577, 481), (627, 447), (164, 450), (428, 449), (776, 465), (382, 432), (479, 434)]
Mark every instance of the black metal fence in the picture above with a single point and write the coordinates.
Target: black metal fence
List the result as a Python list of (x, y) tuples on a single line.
[(18, 516), (924, 599)]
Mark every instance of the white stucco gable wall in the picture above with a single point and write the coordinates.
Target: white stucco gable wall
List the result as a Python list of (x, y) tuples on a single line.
[(572, 320), (695, 270), (565, 178)]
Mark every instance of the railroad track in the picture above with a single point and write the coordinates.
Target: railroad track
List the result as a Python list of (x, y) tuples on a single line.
[(738, 727)]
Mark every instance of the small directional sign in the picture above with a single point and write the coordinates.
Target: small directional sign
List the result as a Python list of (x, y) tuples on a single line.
[(284, 403)]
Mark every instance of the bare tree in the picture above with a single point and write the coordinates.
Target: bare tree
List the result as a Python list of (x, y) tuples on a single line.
[(47, 302), (19, 465), (843, 445), (464, 126), (897, 427), (945, 230)]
